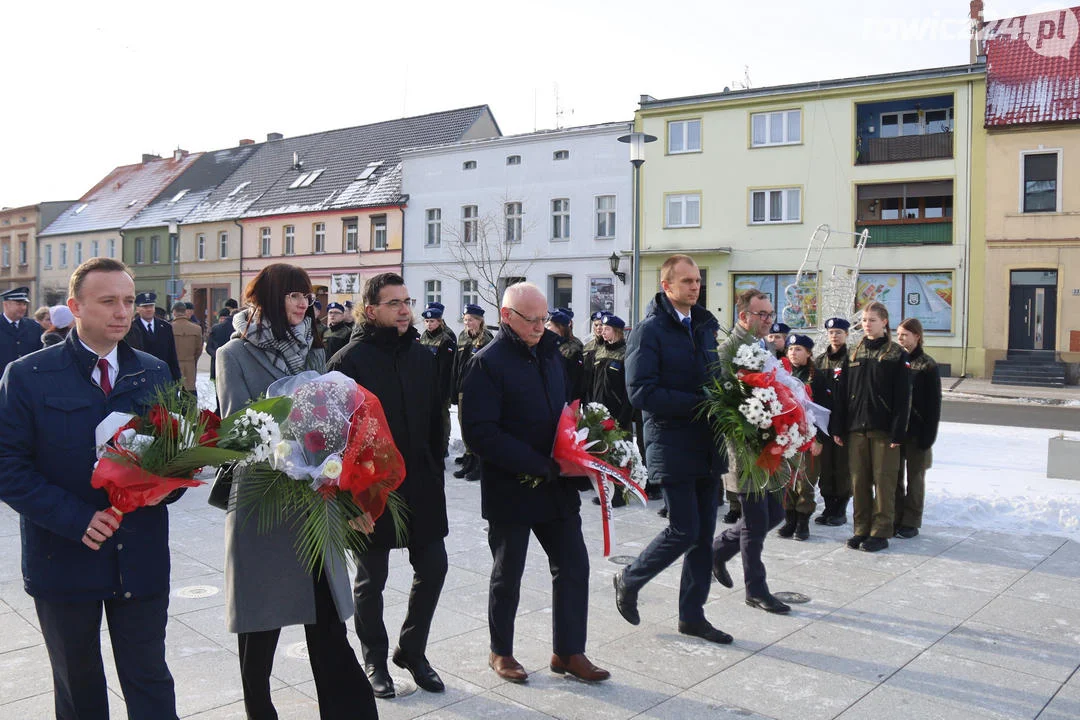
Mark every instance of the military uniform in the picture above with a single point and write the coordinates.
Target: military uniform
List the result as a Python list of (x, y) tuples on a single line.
[(834, 477), (20, 337), (921, 433), (467, 346)]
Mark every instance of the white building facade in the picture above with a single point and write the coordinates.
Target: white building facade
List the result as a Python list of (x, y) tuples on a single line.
[(549, 207)]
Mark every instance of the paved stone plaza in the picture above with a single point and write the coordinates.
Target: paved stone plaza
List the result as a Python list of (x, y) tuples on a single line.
[(953, 624)]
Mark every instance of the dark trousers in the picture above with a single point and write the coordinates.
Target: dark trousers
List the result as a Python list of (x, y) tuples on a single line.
[(569, 563), (429, 571), (343, 689), (834, 477), (761, 512), (72, 633), (911, 491), (691, 519)]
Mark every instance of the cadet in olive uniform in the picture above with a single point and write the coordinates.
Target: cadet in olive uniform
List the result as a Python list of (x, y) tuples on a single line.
[(604, 381), (560, 322), (872, 421), (799, 502), (921, 432), (834, 477), (595, 338), (469, 341), (19, 335), (440, 341), (338, 330)]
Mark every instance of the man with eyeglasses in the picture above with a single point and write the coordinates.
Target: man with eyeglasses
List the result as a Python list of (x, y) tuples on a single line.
[(385, 357), (511, 400)]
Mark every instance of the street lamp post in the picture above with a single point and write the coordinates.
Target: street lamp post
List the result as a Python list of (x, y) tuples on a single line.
[(637, 141)]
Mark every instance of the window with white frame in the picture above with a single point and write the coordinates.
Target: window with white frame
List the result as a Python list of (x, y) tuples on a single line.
[(513, 222), (560, 219), (468, 165), (155, 248), (915, 122), (112, 247), (434, 227), (1040, 181), (378, 232), (783, 127), (775, 206), (352, 235), (289, 239), (95, 245), (605, 216), (513, 159), (683, 210), (140, 250), (78, 253), (48, 256), (318, 233), (432, 291), (223, 245), (23, 244), (560, 155), (264, 241), (470, 223), (63, 255), (5, 253), (684, 136), (470, 292), (200, 246)]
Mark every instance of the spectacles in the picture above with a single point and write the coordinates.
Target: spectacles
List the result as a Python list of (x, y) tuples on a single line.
[(397, 304), (531, 320), (764, 315), (296, 297)]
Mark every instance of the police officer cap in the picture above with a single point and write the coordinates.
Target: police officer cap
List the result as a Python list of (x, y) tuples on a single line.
[(566, 311), (778, 328), (837, 324), (19, 294), (471, 309), (335, 306), (433, 311), (317, 305), (599, 314), (801, 340), (559, 317), (613, 321), (146, 298)]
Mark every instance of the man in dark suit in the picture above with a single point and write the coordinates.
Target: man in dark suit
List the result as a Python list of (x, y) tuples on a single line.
[(217, 337), (19, 335), (152, 334), (511, 399)]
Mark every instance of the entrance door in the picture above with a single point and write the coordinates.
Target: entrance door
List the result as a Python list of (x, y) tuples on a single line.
[(1033, 310)]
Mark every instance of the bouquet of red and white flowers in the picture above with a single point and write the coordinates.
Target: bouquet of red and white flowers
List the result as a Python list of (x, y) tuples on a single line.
[(589, 442), (330, 467), (762, 412), (143, 458)]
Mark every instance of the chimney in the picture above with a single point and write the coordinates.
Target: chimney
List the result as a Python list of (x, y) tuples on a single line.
[(149, 157), (270, 137), (246, 141), (978, 52), (179, 154), (646, 99)]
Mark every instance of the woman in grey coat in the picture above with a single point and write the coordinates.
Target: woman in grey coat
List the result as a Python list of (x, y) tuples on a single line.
[(266, 587)]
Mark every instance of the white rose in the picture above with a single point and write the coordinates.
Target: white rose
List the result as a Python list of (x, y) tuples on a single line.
[(332, 468)]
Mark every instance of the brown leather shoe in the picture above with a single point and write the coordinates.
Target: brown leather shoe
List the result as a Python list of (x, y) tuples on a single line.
[(579, 666), (506, 667)]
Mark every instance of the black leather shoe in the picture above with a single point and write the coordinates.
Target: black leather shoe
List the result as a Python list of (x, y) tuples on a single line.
[(460, 459), (626, 601), (836, 520), (855, 541), (788, 528), (907, 532), (802, 526), (381, 682), (732, 517), (425, 676), (705, 631), (719, 571), (873, 544), (768, 603)]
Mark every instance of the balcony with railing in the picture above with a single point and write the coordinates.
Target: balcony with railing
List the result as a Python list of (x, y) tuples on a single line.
[(904, 130), (914, 213)]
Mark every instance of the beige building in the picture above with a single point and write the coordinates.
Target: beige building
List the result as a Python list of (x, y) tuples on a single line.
[(19, 228)]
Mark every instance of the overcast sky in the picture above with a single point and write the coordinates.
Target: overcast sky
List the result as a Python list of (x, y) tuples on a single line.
[(90, 86)]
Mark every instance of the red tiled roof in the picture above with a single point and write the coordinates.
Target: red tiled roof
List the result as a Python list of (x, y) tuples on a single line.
[(1033, 68)]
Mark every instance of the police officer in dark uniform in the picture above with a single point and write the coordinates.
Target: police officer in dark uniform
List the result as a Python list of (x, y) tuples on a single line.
[(438, 339), (469, 341), (834, 477), (152, 334), (560, 322), (338, 329), (19, 335)]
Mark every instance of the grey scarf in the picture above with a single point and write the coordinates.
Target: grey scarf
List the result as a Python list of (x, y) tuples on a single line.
[(289, 353)]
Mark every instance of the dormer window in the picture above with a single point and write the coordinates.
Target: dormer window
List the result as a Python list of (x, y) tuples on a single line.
[(513, 159), (468, 165), (561, 155)]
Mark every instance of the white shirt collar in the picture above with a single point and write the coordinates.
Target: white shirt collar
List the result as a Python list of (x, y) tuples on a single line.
[(114, 364), (148, 324), (681, 316)]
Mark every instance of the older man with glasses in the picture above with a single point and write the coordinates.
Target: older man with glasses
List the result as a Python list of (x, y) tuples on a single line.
[(512, 396)]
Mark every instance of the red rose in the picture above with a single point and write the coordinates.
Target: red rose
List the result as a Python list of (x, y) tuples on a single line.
[(160, 418), (608, 425), (296, 416), (209, 438), (209, 420), (320, 412), (315, 441)]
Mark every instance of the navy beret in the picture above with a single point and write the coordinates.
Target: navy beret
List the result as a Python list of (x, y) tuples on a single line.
[(335, 306), (614, 321), (801, 340), (837, 323), (559, 317), (471, 309), (779, 327), (599, 314), (566, 311), (433, 311)]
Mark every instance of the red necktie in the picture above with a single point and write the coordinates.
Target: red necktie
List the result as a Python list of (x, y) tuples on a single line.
[(103, 366)]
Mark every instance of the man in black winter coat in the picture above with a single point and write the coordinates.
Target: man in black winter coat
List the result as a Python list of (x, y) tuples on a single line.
[(152, 334), (513, 394), (385, 357)]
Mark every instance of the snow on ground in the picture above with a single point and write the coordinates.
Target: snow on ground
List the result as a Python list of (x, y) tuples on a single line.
[(984, 476)]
